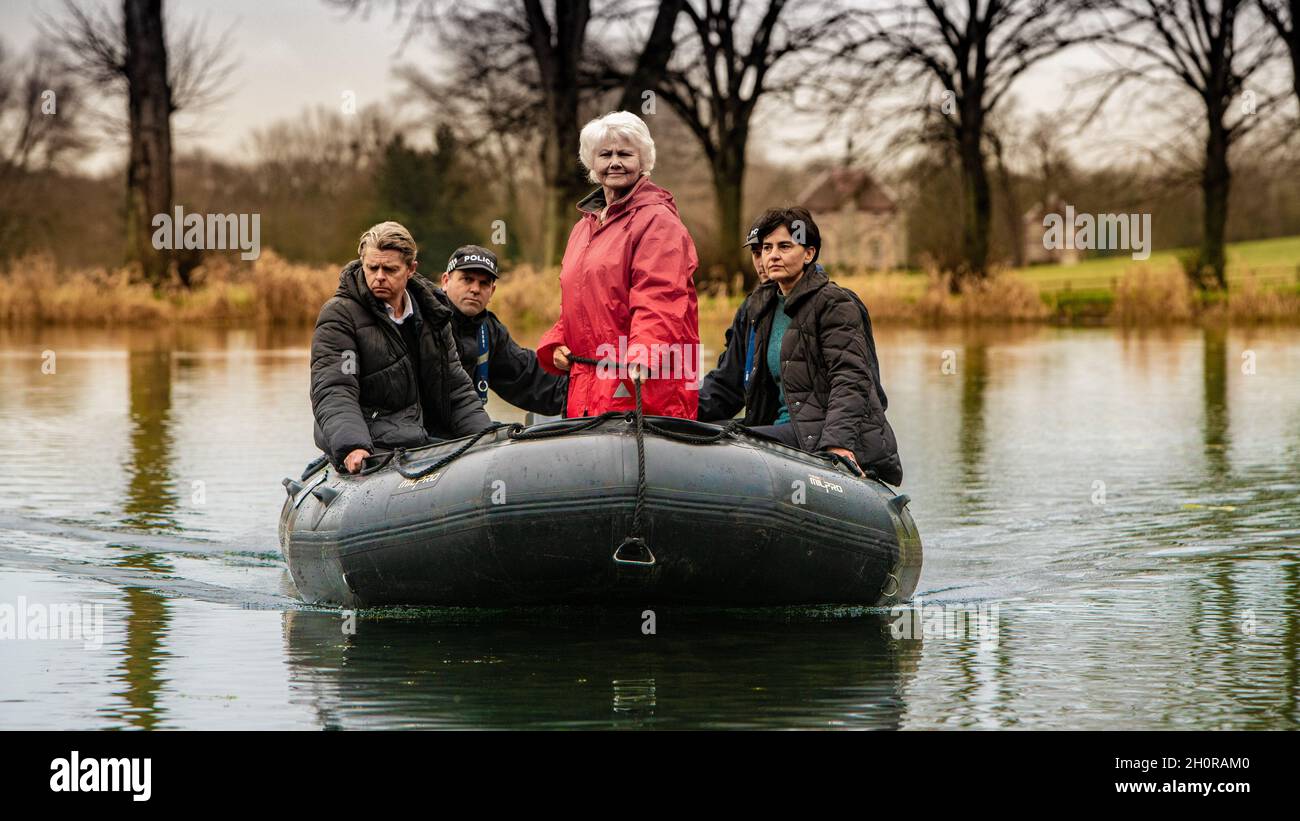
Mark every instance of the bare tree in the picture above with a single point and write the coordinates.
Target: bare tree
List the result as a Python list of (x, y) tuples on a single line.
[(38, 130), (974, 50), (38, 126), (726, 63), (1012, 210), (496, 119), (1214, 50), (1284, 17), (131, 53), (544, 54)]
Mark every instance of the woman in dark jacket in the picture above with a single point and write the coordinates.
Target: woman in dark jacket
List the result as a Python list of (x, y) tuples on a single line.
[(814, 383)]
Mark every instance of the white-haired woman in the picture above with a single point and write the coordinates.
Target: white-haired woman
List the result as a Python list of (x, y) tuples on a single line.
[(626, 288)]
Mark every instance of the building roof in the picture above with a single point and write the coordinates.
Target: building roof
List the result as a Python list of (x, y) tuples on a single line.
[(1052, 204), (839, 188)]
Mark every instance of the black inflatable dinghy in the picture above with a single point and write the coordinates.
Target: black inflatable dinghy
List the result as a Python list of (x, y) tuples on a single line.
[(602, 510)]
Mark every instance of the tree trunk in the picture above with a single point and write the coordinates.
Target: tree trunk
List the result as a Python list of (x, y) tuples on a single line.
[(149, 108), (1215, 182), (566, 184), (1011, 204), (512, 248), (558, 61), (976, 207), (1295, 61), (652, 63), (728, 192)]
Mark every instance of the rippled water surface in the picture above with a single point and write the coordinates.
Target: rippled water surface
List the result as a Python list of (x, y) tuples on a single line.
[(1123, 510)]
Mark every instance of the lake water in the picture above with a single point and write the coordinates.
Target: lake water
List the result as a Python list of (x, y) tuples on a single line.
[(1121, 509)]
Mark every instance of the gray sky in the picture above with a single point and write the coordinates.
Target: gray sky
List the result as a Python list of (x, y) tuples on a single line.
[(291, 54)]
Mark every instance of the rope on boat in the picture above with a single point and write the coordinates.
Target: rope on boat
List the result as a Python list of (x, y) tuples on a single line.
[(633, 549), (400, 454)]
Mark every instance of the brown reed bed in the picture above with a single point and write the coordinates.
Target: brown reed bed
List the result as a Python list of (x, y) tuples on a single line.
[(272, 290)]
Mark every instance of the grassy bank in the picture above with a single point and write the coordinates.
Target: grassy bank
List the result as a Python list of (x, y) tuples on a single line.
[(1264, 286)]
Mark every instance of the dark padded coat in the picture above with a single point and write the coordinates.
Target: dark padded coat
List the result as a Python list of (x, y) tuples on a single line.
[(365, 389), (513, 371), (722, 393), (829, 369)]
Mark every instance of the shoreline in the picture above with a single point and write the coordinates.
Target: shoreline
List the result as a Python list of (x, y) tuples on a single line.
[(274, 292)]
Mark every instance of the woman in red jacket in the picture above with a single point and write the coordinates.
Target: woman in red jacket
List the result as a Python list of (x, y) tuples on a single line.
[(626, 293)]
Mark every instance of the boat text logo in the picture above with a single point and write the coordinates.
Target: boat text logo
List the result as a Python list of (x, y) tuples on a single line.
[(410, 483), (829, 487)]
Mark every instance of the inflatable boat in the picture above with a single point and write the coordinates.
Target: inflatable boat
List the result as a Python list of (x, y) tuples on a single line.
[(612, 510)]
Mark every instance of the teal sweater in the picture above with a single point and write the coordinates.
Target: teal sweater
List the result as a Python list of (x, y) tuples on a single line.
[(780, 321)]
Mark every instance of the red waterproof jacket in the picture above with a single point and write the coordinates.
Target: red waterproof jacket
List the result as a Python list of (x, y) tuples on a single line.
[(627, 295)]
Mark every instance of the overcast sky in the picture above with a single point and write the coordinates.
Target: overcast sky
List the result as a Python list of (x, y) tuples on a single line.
[(293, 54)]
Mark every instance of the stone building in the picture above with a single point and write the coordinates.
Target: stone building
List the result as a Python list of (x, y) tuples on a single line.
[(861, 225), (1035, 250)]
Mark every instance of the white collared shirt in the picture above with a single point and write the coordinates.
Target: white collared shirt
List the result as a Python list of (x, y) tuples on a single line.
[(410, 309)]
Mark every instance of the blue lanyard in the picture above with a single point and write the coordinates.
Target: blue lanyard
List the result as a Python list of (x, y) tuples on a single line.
[(749, 355), (481, 365)]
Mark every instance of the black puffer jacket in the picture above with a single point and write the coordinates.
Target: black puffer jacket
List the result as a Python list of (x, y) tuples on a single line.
[(365, 389), (829, 370), (722, 393), (513, 372)]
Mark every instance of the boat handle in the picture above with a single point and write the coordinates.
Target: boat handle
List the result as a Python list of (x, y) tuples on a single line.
[(643, 550), (896, 586)]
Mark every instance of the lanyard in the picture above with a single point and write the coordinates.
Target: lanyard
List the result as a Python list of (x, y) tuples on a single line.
[(481, 364), (749, 355)]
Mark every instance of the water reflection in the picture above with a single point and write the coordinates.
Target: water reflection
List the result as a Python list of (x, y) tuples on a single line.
[(1131, 612), (970, 438), (1215, 378), (150, 493), (585, 669), (1291, 638), (139, 671)]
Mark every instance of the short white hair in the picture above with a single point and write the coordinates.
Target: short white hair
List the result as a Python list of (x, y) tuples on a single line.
[(621, 124)]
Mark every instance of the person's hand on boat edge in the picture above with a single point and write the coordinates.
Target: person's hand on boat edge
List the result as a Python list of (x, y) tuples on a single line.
[(561, 358), (352, 462), (847, 454)]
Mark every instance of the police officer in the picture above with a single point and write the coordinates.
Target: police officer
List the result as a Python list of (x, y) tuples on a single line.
[(491, 358)]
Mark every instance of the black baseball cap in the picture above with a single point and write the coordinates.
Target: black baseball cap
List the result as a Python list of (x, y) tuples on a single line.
[(474, 257), (752, 238)]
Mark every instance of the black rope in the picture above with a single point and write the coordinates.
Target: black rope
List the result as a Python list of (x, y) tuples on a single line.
[(634, 544), (639, 508), (518, 431), (450, 457), (730, 429)]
